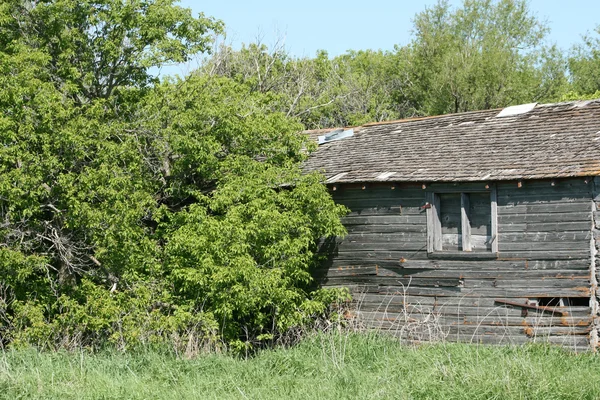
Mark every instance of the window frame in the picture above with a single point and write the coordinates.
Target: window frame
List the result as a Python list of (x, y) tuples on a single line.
[(434, 223)]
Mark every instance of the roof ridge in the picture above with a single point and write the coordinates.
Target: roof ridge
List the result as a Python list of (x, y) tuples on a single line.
[(428, 117)]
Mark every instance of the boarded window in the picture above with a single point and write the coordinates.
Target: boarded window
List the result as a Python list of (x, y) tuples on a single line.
[(462, 221), (450, 221), (480, 218)]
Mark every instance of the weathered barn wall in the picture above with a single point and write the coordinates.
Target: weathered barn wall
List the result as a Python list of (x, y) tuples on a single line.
[(543, 261)]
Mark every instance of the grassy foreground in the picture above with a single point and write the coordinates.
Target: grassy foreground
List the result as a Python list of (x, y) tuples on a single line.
[(322, 367)]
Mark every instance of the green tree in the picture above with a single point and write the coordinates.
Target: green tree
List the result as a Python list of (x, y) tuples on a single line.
[(483, 55), (584, 66), (361, 88), (136, 211), (97, 46), (350, 89)]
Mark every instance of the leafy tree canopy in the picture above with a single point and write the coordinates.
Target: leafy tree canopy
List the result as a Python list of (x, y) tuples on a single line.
[(483, 55), (137, 211), (584, 65), (96, 46)]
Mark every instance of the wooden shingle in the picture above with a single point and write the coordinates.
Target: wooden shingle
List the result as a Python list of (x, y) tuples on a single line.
[(550, 141)]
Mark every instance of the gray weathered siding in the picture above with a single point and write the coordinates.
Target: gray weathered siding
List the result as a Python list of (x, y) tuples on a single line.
[(544, 236)]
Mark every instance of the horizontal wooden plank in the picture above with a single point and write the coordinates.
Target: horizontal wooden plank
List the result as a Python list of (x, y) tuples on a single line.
[(482, 303), (520, 274), (385, 220), (505, 246), (543, 196), (395, 210), (380, 256), (530, 282), (576, 236), (564, 184), (385, 246), (395, 228), (443, 187), (578, 226), (540, 254), (543, 217), (465, 292), (396, 281), (475, 301), (462, 311), (539, 284), (377, 194), (379, 237), (545, 208), (489, 320), (513, 265)]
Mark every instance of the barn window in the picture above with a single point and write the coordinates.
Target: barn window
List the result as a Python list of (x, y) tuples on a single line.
[(462, 221)]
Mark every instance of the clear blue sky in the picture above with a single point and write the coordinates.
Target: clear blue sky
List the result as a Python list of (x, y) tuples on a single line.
[(337, 26)]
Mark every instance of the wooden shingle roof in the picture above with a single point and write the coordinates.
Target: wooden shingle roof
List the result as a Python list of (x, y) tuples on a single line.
[(550, 141)]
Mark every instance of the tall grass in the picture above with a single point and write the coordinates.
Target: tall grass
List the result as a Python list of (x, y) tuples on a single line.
[(323, 366)]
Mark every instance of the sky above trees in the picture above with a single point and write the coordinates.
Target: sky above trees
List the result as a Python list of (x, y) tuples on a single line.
[(337, 26)]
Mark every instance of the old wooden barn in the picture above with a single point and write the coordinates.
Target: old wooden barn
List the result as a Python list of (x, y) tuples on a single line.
[(478, 227)]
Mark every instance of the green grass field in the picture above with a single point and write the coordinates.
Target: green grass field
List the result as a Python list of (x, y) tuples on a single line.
[(332, 366)]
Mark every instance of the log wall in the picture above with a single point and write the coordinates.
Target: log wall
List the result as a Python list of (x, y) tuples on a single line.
[(537, 287)]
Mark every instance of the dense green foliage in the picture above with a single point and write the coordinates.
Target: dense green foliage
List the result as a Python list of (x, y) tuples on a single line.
[(135, 211), (584, 65), (322, 367)]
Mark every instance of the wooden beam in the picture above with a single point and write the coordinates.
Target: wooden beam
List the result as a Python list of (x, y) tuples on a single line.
[(465, 222), (434, 224), (494, 218)]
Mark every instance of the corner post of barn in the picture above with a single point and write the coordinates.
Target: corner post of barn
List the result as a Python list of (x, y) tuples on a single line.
[(594, 264)]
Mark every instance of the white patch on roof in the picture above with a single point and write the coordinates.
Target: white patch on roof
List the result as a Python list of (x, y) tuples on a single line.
[(385, 175), (582, 103), (336, 177), (516, 110), (337, 134)]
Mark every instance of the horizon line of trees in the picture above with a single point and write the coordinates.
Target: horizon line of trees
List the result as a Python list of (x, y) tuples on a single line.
[(484, 54)]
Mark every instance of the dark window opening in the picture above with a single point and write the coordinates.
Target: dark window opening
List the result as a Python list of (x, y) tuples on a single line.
[(578, 301), (550, 302), (562, 301)]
